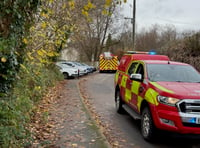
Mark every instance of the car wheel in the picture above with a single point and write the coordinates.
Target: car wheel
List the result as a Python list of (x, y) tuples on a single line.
[(119, 103), (148, 129), (66, 75)]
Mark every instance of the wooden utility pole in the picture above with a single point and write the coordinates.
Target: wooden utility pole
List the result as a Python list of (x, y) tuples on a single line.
[(133, 23)]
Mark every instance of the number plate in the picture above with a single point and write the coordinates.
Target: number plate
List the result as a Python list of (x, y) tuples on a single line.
[(197, 120)]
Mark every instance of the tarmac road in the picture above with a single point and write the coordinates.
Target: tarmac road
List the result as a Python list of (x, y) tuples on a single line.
[(122, 130)]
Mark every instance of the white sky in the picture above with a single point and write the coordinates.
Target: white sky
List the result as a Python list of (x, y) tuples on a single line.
[(183, 14)]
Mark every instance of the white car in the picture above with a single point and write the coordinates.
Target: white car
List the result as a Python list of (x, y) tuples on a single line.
[(83, 66), (82, 70), (67, 71)]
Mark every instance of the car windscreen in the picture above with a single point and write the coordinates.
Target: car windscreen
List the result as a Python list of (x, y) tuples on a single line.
[(172, 73)]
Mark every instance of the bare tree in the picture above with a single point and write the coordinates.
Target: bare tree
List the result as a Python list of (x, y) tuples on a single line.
[(93, 30)]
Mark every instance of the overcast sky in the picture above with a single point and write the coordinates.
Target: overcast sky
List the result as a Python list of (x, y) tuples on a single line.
[(183, 14)]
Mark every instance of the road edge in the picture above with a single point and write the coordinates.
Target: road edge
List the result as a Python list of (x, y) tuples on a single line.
[(99, 130)]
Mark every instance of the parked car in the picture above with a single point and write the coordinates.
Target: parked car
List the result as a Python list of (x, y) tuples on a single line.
[(91, 68), (67, 71), (82, 70)]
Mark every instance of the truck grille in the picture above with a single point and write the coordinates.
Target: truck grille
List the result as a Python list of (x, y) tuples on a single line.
[(189, 106), (189, 111)]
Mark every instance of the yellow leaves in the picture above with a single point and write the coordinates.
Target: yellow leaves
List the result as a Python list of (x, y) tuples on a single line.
[(90, 6), (37, 88), (71, 4), (119, 2), (105, 12), (3, 59), (17, 53), (85, 13), (29, 56), (41, 52), (52, 54), (108, 3), (24, 68), (87, 8), (43, 55), (44, 25), (45, 15), (51, 1), (25, 41), (32, 29), (58, 41)]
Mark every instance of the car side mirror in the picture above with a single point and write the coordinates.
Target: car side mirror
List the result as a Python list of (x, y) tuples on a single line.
[(136, 77)]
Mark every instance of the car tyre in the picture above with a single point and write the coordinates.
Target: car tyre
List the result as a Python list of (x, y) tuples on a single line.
[(66, 75), (148, 128), (119, 103)]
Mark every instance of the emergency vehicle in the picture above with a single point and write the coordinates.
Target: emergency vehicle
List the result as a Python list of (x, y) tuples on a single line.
[(108, 62), (163, 94)]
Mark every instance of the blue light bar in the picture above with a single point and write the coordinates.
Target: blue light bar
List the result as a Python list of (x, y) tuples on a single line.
[(152, 52)]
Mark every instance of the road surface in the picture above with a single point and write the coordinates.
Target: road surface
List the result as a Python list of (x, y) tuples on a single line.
[(122, 130)]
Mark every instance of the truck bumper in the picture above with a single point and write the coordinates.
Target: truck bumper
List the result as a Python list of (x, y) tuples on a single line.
[(169, 119)]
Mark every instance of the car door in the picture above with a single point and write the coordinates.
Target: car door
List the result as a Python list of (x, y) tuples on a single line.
[(129, 95), (137, 88)]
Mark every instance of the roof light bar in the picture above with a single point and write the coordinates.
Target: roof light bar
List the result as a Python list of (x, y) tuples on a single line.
[(142, 52), (137, 52)]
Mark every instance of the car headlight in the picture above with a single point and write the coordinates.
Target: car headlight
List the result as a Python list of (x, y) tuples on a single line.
[(168, 100)]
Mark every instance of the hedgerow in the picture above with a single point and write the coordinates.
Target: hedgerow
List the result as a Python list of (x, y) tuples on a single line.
[(25, 74)]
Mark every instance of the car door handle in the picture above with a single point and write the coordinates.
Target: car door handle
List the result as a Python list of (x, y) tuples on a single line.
[(141, 89)]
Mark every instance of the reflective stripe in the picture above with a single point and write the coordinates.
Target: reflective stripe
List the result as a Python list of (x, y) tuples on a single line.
[(116, 77), (151, 96), (135, 87), (127, 95), (161, 88), (139, 102), (108, 64), (123, 82)]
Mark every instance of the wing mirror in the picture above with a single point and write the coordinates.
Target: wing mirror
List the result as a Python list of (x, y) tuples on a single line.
[(136, 77)]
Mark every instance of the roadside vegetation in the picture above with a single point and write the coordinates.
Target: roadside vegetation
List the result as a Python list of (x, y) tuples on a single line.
[(32, 35)]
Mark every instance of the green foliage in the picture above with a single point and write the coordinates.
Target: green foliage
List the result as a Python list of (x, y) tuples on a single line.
[(8, 64), (15, 20), (16, 111), (12, 122)]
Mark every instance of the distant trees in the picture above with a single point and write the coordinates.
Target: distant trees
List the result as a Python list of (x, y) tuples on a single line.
[(94, 28), (147, 39), (183, 47)]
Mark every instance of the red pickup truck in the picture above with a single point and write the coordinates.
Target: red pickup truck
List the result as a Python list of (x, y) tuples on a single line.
[(163, 94)]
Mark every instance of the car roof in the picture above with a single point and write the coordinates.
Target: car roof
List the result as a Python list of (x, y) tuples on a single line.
[(148, 57), (163, 62)]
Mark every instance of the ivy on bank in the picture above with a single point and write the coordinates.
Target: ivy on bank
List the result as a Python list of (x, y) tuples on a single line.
[(15, 20)]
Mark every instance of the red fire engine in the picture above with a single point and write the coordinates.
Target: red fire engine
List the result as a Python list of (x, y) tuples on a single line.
[(108, 62)]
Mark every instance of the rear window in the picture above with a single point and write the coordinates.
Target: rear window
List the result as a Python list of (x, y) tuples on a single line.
[(172, 73)]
